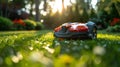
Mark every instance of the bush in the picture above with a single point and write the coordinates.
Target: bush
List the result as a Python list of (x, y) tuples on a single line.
[(39, 26), (19, 24), (115, 21), (5, 24), (29, 24), (115, 28), (100, 23)]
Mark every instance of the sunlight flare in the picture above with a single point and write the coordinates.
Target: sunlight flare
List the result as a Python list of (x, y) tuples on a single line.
[(57, 5)]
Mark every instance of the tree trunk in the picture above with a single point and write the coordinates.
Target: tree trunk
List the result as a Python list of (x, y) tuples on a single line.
[(31, 7), (37, 15), (45, 5), (63, 8)]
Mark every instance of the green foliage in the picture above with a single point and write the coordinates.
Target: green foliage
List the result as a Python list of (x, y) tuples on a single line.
[(53, 20), (85, 16), (39, 26), (118, 23), (35, 49), (92, 13), (107, 12), (30, 24), (19, 24), (21, 3), (115, 28), (5, 24), (19, 27), (114, 12)]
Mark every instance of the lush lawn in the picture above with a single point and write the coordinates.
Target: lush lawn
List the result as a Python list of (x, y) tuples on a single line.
[(40, 49)]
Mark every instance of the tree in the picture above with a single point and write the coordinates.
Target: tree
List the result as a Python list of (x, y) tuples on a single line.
[(109, 6), (31, 2), (63, 7), (10, 8), (92, 13), (37, 16), (45, 5), (77, 12)]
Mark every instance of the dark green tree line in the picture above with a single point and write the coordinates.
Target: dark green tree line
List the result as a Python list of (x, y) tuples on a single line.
[(9, 8)]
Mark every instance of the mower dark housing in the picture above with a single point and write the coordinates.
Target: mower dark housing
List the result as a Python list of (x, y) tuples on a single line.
[(76, 30)]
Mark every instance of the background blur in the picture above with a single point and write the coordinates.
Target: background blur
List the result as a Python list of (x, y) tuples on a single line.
[(55, 12)]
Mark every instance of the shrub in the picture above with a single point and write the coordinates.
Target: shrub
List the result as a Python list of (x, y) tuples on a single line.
[(39, 26), (100, 23), (30, 25), (115, 28), (5, 24), (19, 24), (115, 21)]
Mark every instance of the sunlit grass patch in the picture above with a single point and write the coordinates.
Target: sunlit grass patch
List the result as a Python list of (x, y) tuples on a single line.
[(109, 36), (41, 49)]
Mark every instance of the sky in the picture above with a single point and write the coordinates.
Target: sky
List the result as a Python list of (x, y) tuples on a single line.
[(94, 2)]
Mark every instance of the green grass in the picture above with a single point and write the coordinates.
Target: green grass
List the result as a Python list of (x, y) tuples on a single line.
[(41, 49)]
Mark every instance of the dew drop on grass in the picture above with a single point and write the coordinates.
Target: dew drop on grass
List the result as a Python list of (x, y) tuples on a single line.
[(19, 55), (30, 47), (74, 43), (15, 59), (38, 56), (36, 41), (57, 43), (15, 36), (86, 46), (45, 43), (66, 42), (98, 50), (50, 50), (41, 43)]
